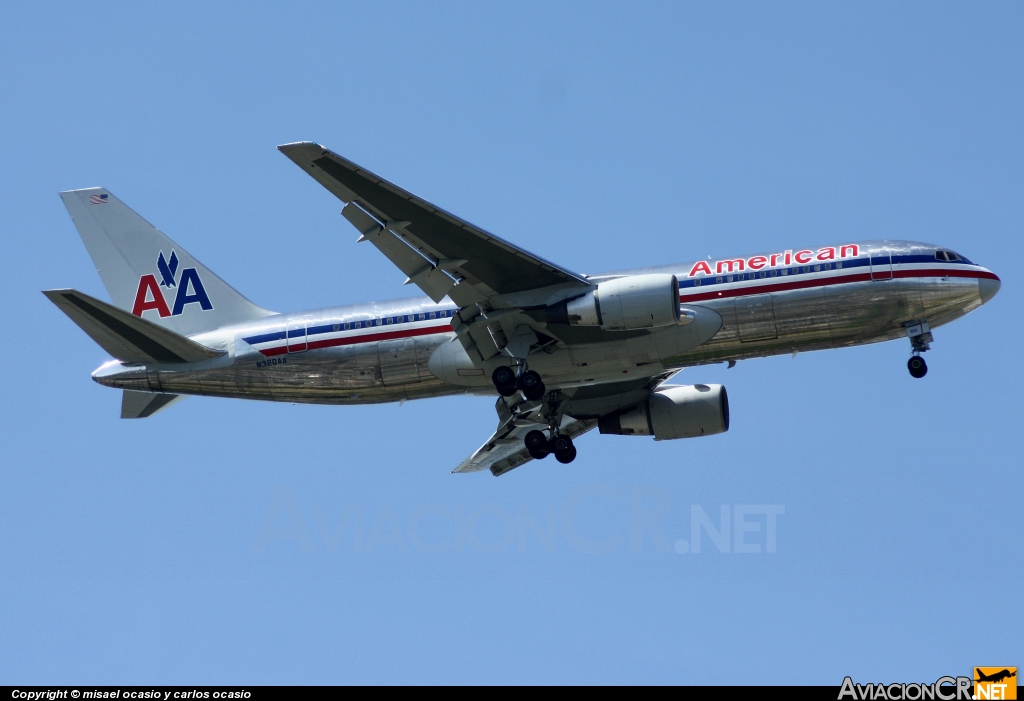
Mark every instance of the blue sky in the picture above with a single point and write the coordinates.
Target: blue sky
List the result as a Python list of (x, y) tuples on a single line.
[(202, 545)]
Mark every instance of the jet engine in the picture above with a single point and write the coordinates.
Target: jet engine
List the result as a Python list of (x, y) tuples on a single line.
[(673, 412), (632, 302)]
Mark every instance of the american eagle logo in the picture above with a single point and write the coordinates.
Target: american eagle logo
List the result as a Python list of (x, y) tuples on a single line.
[(188, 290)]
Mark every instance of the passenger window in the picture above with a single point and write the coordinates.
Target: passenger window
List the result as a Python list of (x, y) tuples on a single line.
[(718, 279), (839, 264), (696, 283)]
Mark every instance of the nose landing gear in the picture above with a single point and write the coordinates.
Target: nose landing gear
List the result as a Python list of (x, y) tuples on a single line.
[(920, 336)]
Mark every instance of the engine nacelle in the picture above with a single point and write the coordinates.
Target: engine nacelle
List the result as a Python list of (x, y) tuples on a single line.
[(673, 412), (632, 302)]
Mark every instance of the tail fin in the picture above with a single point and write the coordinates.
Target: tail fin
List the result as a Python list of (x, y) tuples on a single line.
[(148, 274)]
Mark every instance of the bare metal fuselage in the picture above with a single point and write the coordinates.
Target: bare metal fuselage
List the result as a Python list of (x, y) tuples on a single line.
[(334, 355)]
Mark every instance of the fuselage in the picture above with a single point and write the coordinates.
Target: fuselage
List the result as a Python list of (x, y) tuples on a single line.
[(757, 306)]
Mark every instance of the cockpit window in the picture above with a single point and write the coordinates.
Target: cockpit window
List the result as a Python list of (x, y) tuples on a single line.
[(949, 256)]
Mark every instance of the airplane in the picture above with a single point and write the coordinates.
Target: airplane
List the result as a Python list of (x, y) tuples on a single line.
[(996, 677), (563, 352)]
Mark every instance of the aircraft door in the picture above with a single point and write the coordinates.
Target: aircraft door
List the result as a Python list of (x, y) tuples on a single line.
[(296, 335), (881, 265), (755, 318)]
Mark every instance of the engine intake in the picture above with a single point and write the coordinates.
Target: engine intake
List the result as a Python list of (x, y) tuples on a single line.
[(673, 412), (632, 302)]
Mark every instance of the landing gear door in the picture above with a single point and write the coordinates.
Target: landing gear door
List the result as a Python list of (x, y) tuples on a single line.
[(296, 335), (881, 265)]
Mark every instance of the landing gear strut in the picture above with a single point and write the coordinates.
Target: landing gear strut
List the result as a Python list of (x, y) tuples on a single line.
[(920, 341), (508, 381)]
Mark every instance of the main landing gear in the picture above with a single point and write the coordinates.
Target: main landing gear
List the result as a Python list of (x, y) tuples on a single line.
[(509, 381), (540, 447)]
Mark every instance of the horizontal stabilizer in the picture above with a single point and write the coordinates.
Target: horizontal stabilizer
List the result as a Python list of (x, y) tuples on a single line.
[(128, 338), (141, 405)]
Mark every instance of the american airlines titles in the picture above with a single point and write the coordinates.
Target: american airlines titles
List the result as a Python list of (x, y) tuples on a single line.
[(783, 259)]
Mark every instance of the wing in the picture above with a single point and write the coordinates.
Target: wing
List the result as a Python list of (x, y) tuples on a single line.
[(438, 251)]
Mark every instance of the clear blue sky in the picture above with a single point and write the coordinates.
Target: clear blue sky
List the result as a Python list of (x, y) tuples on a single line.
[(201, 546)]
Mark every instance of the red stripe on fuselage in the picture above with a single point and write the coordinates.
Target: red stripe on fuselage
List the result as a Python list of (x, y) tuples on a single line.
[(826, 281), (733, 292), (364, 338)]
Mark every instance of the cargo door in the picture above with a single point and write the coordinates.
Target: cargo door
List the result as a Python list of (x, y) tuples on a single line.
[(755, 318)]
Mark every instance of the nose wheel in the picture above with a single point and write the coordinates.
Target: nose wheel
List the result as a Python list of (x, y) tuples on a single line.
[(917, 367)]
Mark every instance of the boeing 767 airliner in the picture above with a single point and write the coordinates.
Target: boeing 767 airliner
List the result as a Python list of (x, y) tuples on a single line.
[(563, 352)]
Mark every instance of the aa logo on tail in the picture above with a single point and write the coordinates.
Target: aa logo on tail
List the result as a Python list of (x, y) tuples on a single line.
[(188, 290)]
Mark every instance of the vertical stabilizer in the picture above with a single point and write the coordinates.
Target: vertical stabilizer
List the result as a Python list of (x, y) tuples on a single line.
[(149, 275)]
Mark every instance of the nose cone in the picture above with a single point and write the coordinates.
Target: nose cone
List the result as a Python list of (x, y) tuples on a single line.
[(988, 287)]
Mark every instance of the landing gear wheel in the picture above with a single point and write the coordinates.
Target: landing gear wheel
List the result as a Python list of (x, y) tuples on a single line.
[(566, 458), (564, 450), (504, 379), (531, 385), (918, 368), (537, 445)]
